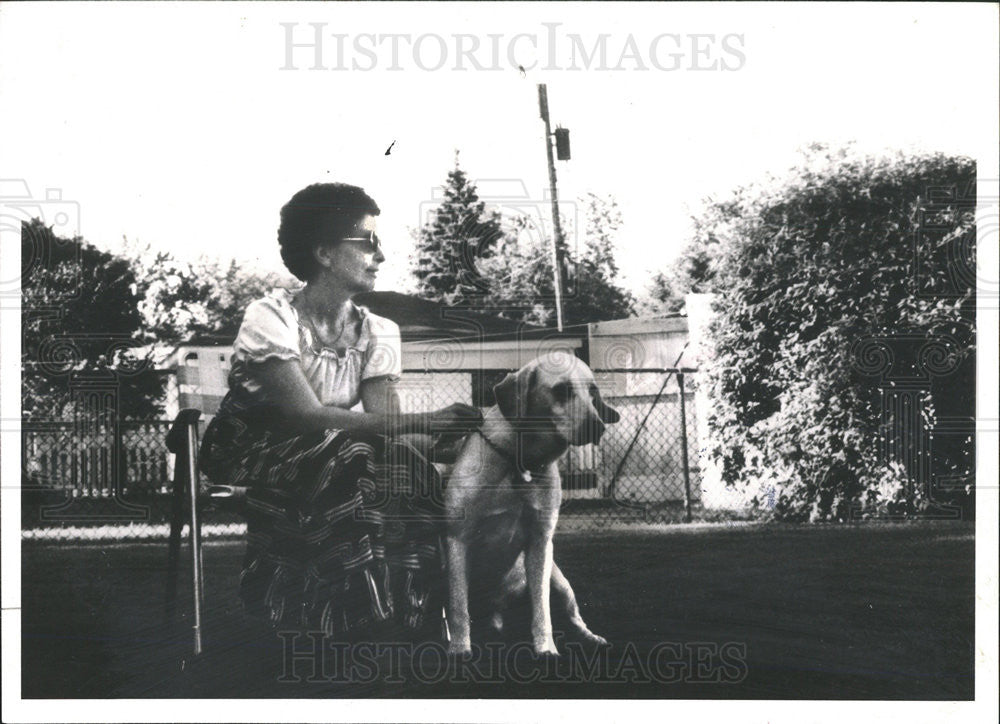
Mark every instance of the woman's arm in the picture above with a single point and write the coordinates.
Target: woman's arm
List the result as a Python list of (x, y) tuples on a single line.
[(379, 395), (288, 389)]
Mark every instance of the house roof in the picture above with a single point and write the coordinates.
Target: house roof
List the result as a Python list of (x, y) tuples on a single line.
[(423, 320)]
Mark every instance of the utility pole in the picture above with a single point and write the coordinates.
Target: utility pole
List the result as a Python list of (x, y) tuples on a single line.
[(557, 241)]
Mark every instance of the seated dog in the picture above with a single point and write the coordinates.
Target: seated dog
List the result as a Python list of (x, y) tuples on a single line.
[(503, 499)]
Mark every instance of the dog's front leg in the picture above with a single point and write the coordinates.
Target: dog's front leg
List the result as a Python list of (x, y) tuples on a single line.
[(458, 597), (538, 570)]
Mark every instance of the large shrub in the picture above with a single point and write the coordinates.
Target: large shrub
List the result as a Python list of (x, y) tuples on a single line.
[(845, 308)]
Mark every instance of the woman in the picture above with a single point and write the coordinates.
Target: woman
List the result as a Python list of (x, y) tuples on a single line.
[(342, 516)]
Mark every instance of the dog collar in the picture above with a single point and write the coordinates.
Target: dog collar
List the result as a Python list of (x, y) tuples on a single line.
[(525, 474)]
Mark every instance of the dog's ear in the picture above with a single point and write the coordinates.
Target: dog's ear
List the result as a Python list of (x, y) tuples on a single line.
[(608, 414), (513, 393), (505, 392)]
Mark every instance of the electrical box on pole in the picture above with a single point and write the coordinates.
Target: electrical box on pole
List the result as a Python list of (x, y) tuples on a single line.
[(562, 144)]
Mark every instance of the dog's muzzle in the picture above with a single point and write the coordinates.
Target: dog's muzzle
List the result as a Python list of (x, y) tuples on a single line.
[(607, 413), (596, 424)]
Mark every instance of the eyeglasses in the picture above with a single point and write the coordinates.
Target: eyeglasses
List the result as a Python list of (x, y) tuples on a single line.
[(374, 243)]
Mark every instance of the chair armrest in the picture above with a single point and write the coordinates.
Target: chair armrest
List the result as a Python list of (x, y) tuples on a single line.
[(227, 497), (225, 492), (177, 436)]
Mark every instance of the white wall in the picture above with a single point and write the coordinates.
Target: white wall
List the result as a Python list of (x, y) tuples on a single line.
[(449, 356), (714, 492)]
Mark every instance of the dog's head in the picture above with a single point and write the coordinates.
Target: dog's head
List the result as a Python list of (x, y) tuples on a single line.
[(557, 392)]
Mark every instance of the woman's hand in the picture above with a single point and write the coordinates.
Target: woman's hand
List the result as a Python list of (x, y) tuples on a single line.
[(456, 418)]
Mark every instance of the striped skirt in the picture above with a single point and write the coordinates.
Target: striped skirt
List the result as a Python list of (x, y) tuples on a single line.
[(343, 532)]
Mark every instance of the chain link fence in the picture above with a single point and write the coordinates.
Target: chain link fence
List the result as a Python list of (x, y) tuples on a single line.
[(647, 464), (93, 479)]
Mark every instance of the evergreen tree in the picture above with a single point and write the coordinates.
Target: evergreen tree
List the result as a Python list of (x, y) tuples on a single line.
[(451, 245)]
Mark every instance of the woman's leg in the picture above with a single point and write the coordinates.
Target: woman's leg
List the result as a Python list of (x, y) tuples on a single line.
[(343, 533)]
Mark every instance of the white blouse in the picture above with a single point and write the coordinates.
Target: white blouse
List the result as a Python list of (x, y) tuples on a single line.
[(271, 328)]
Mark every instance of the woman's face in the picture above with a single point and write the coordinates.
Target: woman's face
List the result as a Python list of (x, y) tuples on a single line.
[(351, 262)]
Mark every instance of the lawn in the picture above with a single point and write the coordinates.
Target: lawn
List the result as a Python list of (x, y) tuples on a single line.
[(836, 612)]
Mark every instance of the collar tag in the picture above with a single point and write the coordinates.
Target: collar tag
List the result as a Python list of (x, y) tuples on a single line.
[(525, 474)]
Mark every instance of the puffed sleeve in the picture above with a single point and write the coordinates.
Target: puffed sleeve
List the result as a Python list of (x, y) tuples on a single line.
[(384, 354), (269, 330)]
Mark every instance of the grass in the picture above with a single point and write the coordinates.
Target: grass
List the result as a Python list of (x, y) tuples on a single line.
[(832, 612)]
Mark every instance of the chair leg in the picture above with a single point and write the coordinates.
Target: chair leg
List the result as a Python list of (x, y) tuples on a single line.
[(174, 542), (196, 568)]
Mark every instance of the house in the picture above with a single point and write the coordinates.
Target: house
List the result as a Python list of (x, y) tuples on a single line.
[(449, 354), (644, 366)]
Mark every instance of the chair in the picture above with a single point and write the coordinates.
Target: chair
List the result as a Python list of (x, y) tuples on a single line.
[(189, 499)]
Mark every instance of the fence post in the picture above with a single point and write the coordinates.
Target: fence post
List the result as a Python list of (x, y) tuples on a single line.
[(684, 449)]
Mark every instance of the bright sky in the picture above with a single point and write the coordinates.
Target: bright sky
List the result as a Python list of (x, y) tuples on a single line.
[(174, 124)]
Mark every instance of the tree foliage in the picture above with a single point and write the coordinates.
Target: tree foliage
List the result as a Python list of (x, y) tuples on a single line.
[(181, 300), (89, 313), (593, 293), (850, 279), (695, 268), (520, 273), (81, 324), (460, 234), (471, 255), (523, 284)]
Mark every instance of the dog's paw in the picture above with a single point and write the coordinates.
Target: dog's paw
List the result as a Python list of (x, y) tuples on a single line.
[(460, 649), (546, 648), (593, 639), (546, 655)]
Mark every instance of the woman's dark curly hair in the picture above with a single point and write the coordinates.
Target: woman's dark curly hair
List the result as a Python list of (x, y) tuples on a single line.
[(320, 212)]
